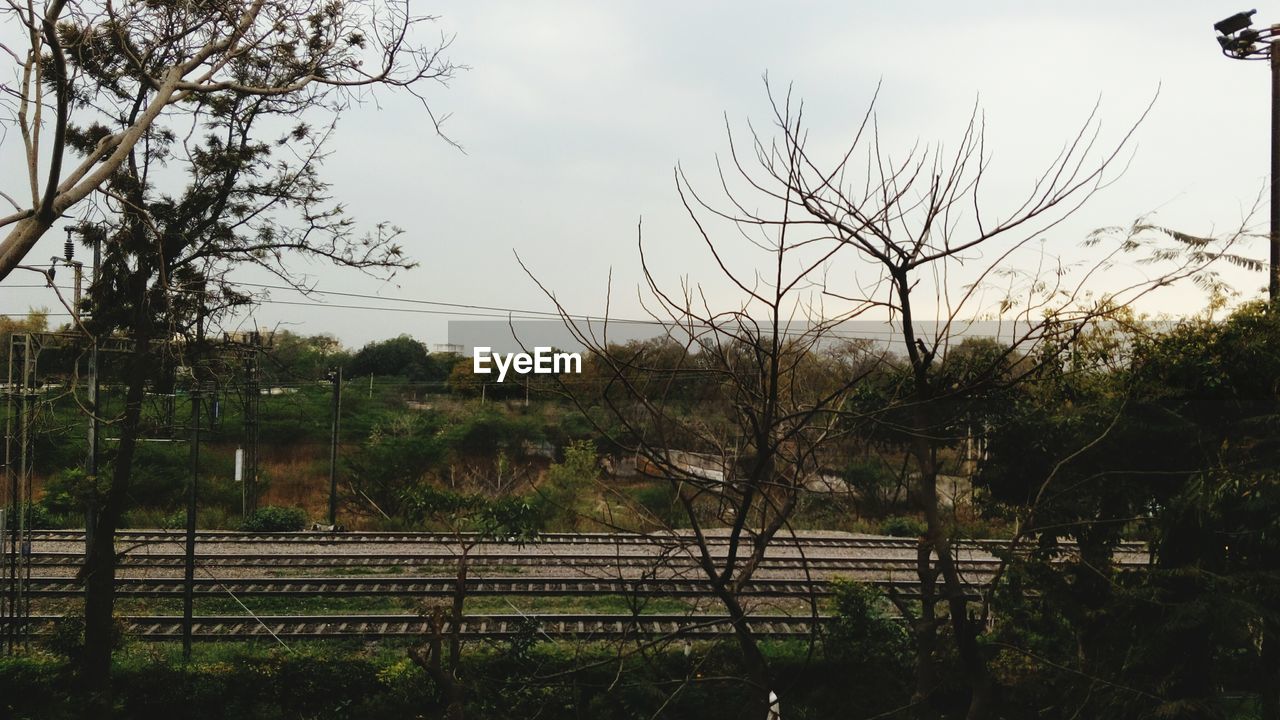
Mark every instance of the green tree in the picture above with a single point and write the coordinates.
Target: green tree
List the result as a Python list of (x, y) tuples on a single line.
[(472, 518), (400, 356), (1171, 435), (35, 321), (568, 482), (250, 195), (293, 357), (122, 67), (398, 455)]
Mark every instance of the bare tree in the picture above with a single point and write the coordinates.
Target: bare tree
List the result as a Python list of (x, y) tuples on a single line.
[(738, 409), (914, 235), (118, 67), (894, 239)]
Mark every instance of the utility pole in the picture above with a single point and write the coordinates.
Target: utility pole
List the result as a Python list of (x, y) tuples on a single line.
[(249, 486), (91, 459), (1273, 284), (91, 462), (189, 567), (23, 548), (1241, 41), (10, 550), (335, 377)]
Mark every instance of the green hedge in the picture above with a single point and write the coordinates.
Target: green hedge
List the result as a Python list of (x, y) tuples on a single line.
[(275, 519)]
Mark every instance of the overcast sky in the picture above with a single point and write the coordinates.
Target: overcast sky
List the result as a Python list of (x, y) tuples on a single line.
[(573, 115)]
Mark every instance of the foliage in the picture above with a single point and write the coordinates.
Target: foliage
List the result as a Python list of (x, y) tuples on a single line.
[(568, 482), (275, 519), (334, 681), (509, 518), (66, 491), (902, 526), (39, 518), (36, 320), (661, 503), (1172, 433), (875, 646), (294, 357), (879, 489), (400, 356), (399, 452), (67, 636), (486, 431)]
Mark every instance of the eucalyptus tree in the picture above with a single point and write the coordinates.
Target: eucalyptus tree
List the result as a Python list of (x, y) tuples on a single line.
[(194, 127), (124, 66)]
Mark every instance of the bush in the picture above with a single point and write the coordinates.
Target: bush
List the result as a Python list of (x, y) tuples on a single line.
[(39, 518), (878, 487), (275, 519), (66, 492), (67, 636), (567, 483), (902, 526), (661, 503), (161, 472), (864, 635)]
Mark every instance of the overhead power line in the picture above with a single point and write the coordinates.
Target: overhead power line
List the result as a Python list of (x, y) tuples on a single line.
[(467, 310)]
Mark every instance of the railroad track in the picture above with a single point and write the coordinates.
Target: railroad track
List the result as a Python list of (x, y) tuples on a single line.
[(365, 561), (579, 627), (446, 587), (345, 538), (612, 539)]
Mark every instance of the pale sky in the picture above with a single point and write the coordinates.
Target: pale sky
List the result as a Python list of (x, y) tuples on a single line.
[(573, 115)]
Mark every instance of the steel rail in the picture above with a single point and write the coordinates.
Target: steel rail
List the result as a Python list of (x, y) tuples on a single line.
[(450, 560), (446, 587), (579, 627), (664, 540)]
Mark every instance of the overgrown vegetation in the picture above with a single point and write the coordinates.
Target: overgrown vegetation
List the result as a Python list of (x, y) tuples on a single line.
[(519, 679), (275, 519)]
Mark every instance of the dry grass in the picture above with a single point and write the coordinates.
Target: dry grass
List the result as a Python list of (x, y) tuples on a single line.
[(296, 477)]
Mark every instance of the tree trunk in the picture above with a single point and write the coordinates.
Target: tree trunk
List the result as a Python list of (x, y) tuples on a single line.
[(430, 657), (456, 690), (100, 559), (1270, 689), (757, 668), (964, 628), (926, 634), (953, 588)]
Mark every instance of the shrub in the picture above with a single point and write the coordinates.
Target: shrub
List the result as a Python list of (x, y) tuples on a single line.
[(40, 518), (902, 526), (275, 519), (864, 634), (66, 637), (568, 482), (161, 472), (660, 501), (399, 451), (66, 492), (878, 487)]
